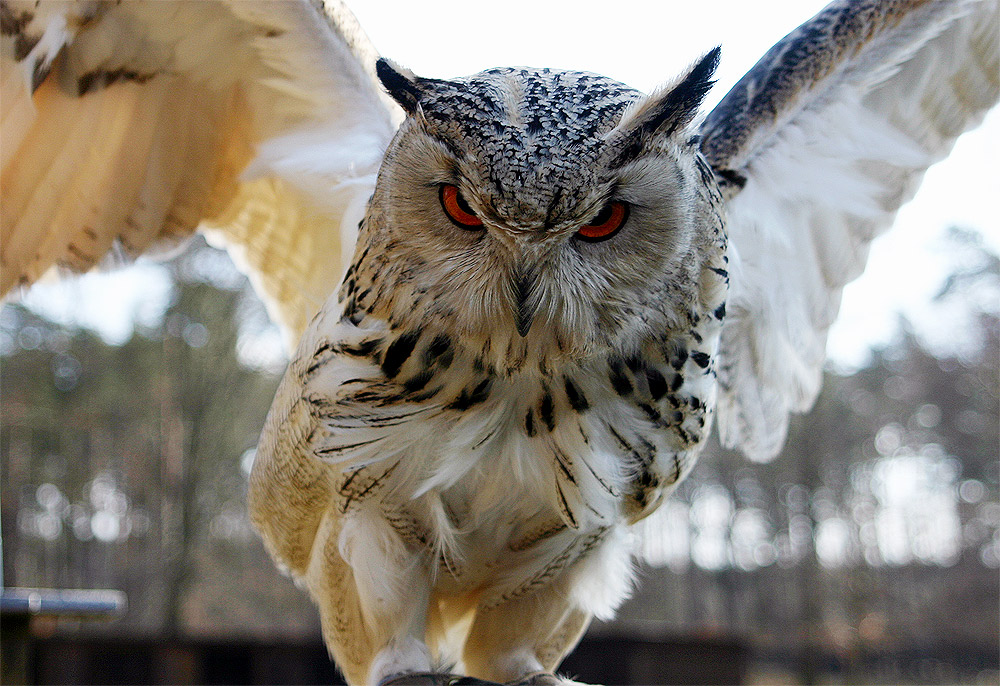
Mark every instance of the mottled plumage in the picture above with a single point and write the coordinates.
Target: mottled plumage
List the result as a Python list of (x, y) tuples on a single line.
[(430, 403), (552, 285)]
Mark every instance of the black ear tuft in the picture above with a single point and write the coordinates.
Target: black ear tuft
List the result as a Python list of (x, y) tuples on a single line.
[(681, 103), (401, 84), (668, 111)]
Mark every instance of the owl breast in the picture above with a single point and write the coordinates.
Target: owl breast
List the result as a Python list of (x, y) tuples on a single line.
[(484, 466)]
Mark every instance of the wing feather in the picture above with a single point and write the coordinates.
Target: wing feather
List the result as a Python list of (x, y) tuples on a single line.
[(817, 147), (137, 123)]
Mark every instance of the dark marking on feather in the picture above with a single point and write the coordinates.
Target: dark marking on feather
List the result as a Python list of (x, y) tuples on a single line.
[(648, 453), (372, 485), (564, 463), (318, 403), (79, 254), (619, 379), (731, 177), (546, 411), (564, 507), (543, 367), (38, 74), (529, 424), (341, 448), (407, 529), (23, 45), (651, 412), (446, 358), (534, 126), (607, 487), (485, 438), (685, 435), (363, 349), (350, 310), (102, 79), (350, 479), (398, 352), (314, 366), (677, 468), (622, 443), (577, 400), (11, 24), (467, 398), (534, 537), (657, 384), (418, 381), (437, 349), (425, 395), (646, 479), (700, 358), (676, 383)]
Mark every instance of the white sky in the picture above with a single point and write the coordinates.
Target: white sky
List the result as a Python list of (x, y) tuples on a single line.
[(644, 43)]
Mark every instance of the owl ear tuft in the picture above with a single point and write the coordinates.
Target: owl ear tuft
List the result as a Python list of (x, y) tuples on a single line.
[(402, 84), (666, 111)]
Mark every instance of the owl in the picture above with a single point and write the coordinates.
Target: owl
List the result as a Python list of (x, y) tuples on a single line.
[(519, 299)]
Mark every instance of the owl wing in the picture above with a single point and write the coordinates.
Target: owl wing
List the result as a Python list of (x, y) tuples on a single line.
[(816, 148), (133, 124)]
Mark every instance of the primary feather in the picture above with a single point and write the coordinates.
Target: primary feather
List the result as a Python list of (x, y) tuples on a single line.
[(214, 114), (818, 146)]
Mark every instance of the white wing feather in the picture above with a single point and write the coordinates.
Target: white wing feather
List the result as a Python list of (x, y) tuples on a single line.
[(829, 134), (261, 121)]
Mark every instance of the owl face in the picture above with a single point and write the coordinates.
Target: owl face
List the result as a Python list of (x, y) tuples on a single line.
[(540, 211)]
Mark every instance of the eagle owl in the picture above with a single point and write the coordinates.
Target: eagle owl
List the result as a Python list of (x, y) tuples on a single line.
[(519, 298)]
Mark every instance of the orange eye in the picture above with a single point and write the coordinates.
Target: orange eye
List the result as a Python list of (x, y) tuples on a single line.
[(606, 223), (457, 209)]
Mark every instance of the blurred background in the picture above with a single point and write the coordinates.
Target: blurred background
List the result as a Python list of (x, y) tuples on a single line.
[(867, 552)]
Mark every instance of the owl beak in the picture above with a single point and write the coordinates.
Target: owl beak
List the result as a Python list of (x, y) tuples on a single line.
[(526, 306)]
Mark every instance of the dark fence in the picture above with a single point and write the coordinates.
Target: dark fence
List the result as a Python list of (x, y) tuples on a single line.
[(104, 660)]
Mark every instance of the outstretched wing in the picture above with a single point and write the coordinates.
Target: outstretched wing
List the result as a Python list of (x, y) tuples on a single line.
[(817, 147), (135, 123)]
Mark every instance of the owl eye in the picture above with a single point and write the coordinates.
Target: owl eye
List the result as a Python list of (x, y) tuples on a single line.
[(606, 223), (457, 209)]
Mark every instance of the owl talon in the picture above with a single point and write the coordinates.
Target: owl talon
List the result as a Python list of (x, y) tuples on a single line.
[(417, 679), (434, 679), (543, 679)]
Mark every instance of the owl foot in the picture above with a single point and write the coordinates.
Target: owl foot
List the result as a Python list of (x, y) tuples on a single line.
[(544, 679), (435, 679)]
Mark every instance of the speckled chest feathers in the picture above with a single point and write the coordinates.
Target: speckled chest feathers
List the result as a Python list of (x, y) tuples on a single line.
[(535, 367)]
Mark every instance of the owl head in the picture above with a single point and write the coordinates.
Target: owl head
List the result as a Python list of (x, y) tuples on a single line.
[(541, 211)]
